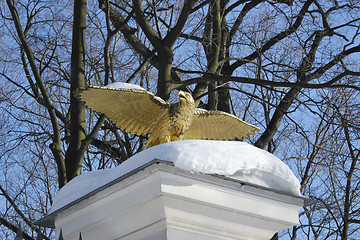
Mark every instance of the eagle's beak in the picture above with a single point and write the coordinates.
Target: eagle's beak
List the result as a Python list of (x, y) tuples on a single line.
[(181, 94)]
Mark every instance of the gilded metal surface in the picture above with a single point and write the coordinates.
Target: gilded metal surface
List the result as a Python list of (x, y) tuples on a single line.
[(140, 112)]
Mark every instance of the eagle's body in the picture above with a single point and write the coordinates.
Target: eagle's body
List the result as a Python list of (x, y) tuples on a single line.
[(140, 112), (173, 126)]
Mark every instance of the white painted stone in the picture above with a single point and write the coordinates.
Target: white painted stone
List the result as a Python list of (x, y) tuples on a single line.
[(159, 201)]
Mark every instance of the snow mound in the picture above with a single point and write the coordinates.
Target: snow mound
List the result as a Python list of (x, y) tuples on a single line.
[(237, 160), (124, 86)]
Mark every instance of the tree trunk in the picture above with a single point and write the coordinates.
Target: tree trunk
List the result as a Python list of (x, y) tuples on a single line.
[(74, 156), (164, 76)]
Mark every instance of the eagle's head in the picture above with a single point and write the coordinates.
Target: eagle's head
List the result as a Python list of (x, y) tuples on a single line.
[(186, 98)]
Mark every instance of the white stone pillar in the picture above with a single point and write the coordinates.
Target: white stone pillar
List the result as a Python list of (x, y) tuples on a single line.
[(159, 201)]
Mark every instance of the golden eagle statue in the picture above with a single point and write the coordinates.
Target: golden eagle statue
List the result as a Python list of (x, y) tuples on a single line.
[(137, 111)]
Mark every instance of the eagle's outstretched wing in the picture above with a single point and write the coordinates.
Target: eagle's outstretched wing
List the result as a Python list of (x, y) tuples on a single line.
[(132, 110), (218, 125)]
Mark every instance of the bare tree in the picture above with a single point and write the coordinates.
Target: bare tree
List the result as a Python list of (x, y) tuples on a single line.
[(288, 66)]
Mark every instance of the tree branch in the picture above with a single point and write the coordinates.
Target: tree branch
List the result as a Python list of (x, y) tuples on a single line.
[(145, 26), (18, 211), (175, 32), (14, 228), (291, 29), (260, 82), (56, 145)]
